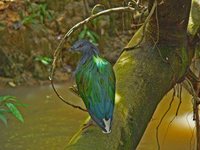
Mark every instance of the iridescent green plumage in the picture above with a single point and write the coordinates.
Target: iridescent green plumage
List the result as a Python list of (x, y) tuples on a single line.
[(96, 85), (95, 81)]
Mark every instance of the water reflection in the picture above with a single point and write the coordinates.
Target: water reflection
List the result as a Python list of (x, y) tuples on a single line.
[(50, 124), (176, 135)]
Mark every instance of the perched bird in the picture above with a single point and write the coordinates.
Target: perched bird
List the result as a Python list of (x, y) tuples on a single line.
[(95, 81)]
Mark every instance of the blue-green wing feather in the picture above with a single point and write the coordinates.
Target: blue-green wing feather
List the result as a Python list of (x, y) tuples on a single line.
[(96, 85)]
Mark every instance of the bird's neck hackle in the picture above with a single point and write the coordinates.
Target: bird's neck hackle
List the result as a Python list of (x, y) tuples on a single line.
[(93, 51), (87, 55)]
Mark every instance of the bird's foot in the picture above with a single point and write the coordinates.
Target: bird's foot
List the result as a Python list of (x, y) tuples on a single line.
[(88, 124), (74, 90)]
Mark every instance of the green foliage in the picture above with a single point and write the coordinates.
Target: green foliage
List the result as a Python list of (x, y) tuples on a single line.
[(13, 109), (89, 34), (8, 104), (36, 12), (194, 21), (44, 60)]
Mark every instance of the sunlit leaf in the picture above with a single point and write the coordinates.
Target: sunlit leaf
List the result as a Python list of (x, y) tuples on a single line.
[(44, 60), (91, 37), (3, 118), (13, 109)]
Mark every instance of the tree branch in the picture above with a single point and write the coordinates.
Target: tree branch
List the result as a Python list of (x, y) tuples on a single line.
[(143, 78), (68, 34)]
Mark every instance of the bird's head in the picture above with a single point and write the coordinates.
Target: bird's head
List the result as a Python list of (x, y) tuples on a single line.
[(84, 46)]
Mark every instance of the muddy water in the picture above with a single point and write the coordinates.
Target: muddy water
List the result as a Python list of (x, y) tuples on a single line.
[(177, 135), (49, 123)]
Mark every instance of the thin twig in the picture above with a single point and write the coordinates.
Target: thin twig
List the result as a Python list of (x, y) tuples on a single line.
[(67, 35), (95, 7), (177, 110), (158, 28), (180, 98), (143, 28), (179, 104), (66, 102), (192, 77), (169, 123), (161, 120), (195, 110), (157, 32)]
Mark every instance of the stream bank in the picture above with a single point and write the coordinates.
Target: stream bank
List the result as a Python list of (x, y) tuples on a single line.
[(31, 30)]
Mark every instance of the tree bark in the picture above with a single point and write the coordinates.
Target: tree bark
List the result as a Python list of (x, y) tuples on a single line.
[(194, 30), (144, 75)]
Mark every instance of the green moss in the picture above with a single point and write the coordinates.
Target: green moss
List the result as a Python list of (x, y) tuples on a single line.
[(194, 21), (185, 61), (143, 78)]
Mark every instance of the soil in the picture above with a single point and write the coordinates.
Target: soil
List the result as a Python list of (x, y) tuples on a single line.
[(31, 30)]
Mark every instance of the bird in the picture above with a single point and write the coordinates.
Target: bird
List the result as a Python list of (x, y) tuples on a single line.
[(96, 84)]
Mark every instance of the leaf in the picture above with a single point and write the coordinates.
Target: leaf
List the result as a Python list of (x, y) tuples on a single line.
[(41, 18), (15, 111), (4, 98), (3, 110), (13, 99), (3, 118), (83, 33), (92, 37), (28, 19), (49, 15), (43, 9), (44, 59), (95, 35)]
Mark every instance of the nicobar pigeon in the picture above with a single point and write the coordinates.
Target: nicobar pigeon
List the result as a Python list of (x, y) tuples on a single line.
[(95, 81)]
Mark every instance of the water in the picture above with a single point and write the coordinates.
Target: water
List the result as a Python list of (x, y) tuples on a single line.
[(50, 124), (177, 135)]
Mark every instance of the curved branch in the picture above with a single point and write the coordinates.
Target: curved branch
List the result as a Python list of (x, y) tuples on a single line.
[(67, 35), (142, 80), (143, 28)]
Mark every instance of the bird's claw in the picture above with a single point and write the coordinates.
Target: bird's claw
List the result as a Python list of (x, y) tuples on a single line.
[(74, 90), (88, 124)]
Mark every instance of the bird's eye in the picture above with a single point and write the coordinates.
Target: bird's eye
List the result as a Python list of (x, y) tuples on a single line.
[(81, 45)]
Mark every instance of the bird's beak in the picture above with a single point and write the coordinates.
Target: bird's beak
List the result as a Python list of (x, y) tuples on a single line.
[(70, 49)]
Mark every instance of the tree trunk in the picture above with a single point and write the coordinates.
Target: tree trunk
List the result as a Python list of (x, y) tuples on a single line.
[(144, 75)]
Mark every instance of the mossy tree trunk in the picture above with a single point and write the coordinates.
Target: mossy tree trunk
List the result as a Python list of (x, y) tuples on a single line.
[(144, 75)]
